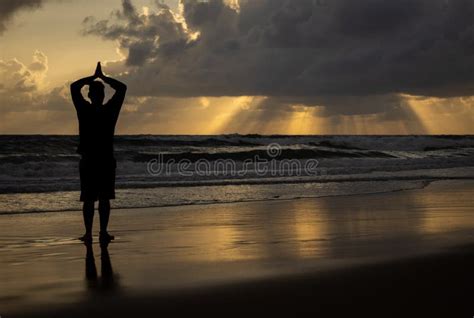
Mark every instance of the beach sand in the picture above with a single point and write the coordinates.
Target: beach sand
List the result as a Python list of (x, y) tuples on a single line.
[(390, 254)]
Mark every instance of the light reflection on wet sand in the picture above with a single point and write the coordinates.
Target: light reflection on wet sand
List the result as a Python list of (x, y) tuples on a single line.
[(183, 246)]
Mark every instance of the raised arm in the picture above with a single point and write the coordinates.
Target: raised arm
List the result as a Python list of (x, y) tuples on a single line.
[(119, 87), (76, 87)]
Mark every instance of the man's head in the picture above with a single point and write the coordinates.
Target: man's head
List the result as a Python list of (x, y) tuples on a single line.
[(96, 93)]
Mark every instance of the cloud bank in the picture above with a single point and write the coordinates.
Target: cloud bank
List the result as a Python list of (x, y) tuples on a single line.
[(318, 50)]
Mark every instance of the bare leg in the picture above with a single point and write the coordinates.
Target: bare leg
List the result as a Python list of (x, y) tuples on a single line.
[(88, 215), (104, 212)]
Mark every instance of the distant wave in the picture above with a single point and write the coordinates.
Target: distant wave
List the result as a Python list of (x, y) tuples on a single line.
[(140, 182), (40, 163)]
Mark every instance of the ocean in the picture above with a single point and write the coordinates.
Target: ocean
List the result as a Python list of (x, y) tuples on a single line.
[(39, 173)]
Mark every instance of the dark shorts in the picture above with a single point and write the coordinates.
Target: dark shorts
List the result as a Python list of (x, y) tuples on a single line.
[(97, 179)]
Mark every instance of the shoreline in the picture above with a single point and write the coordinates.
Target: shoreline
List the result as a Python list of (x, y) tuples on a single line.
[(313, 255), (425, 183)]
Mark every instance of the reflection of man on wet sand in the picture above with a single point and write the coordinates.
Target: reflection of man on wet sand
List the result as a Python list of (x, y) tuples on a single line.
[(96, 136), (107, 280)]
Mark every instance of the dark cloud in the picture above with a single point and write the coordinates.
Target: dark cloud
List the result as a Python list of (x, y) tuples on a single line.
[(337, 53), (146, 38), (8, 8)]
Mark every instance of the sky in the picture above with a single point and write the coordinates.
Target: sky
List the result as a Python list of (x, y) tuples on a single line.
[(243, 66)]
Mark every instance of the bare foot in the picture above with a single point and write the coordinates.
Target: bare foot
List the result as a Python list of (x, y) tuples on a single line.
[(86, 238), (105, 237)]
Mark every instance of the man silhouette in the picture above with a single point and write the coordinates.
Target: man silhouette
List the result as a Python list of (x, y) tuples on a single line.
[(96, 138)]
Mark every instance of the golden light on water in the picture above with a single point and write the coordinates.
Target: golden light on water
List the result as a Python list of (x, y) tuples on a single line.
[(310, 230)]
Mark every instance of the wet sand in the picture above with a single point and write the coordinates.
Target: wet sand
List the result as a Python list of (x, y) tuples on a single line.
[(390, 254)]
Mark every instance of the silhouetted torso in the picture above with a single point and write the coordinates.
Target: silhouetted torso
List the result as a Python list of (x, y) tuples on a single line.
[(97, 127)]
